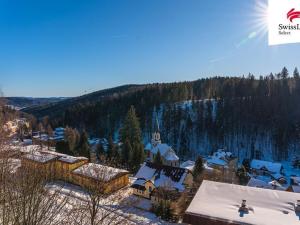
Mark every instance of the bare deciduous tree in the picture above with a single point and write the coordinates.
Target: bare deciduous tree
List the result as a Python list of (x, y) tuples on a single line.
[(100, 208)]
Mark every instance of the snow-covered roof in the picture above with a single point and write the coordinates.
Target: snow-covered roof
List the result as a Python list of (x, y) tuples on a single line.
[(40, 157), (296, 179), (165, 150), (171, 156), (44, 155), (163, 176), (219, 158), (266, 206), (145, 172), (162, 148), (296, 188), (148, 147), (58, 129), (270, 166), (222, 153), (267, 185), (99, 172), (70, 159), (188, 165)]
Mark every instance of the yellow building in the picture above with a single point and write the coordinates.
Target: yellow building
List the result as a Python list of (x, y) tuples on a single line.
[(77, 170), (41, 163), (105, 179)]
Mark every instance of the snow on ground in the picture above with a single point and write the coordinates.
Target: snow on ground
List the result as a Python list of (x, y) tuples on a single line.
[(131, 214)]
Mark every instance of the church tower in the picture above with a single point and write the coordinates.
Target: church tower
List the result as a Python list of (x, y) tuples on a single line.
[(156, 135)]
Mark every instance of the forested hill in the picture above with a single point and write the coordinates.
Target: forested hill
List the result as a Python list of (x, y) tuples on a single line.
[(251, 117), (23, 102)]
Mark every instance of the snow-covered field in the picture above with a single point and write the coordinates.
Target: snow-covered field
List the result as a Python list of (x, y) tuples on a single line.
[(125, 215)]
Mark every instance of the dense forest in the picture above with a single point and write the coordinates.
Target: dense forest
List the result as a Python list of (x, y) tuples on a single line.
[(254, 118)]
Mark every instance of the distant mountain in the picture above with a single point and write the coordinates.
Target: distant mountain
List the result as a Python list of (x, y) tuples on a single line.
[(251, 117), (55, 109), (24, 102)]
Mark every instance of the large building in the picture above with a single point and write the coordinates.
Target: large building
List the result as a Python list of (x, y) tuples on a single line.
[(151, 177), (168, 155), (77, 170), (104, 178), (226, 204)]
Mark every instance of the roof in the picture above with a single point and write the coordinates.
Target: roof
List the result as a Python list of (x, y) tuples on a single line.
[(270, 166), (40, 157), (171, 156), (219, 158), (165, 150), (296, 188), (269, 206), (295, 179), (188, 165), (99, 172), (162, 148), (139, 184), (163, 176), (262, 184), (71, 159), (44, 155)]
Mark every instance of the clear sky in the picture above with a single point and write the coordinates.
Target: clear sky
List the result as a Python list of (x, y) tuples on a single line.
[(71, 47)]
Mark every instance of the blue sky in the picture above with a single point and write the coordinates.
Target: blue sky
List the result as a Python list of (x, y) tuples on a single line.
[(71, 47)]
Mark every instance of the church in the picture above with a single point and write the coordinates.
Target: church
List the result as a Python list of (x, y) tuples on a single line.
[(168, 155)]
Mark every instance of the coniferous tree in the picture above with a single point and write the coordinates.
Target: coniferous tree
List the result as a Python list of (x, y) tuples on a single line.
[(126, 152), (284, 73), (110, 148), (158, 159), (100, 151), (83, 148), (63, 147), (296, 73), (198, 167), (131, 133), (112, 153)]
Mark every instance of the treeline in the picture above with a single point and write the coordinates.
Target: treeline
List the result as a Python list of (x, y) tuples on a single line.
[(237, 105)]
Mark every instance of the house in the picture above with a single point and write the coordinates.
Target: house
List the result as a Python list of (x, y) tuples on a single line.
[(229, 204), (188, 165), (266, 168), (152, 176), (168, 155), (77, 170), (99, 177), (274, 185), (40, 162), (294, 184), (221, 160)]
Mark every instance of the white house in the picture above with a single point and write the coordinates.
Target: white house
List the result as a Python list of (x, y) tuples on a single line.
[(266, 168), (220, 203), (152, 176), (168, 155), (221, 159)]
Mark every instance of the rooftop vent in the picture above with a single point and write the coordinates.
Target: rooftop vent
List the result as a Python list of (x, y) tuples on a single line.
[(297, 206), (244, 208)]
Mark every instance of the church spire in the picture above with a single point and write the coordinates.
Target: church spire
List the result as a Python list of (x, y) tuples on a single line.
[(156, 125), (156, 135)]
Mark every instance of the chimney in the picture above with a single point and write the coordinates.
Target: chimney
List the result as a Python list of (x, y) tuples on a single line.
[(297, 206), (243, 208)]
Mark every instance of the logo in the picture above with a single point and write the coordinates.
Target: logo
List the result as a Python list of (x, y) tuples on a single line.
[(283, 21), (292, 14)]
